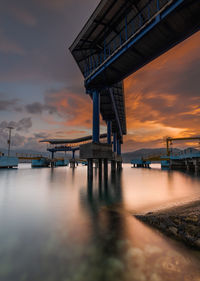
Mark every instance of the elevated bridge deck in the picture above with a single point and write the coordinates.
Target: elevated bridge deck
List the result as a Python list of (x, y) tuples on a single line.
[(122, 36)]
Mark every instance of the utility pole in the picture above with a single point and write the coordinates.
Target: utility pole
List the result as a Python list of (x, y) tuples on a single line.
[(9, 139)]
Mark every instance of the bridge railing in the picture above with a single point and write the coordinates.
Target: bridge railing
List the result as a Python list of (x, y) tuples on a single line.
[(130, 27)]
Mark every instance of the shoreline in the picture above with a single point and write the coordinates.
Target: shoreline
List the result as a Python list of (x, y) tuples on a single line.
[(179, 222)]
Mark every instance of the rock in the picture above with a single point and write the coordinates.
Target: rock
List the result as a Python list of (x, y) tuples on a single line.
[(173, 230), (192, 218), (197, 243)]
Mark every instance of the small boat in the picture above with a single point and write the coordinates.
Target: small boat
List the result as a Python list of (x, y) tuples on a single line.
[(8, 162), (39, 163)]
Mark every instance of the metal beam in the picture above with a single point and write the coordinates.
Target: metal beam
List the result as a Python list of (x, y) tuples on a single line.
[(109, 123), (115, 110), (96, 121)]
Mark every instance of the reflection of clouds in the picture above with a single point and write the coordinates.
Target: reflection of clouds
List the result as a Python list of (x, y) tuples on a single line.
[(123, 248)]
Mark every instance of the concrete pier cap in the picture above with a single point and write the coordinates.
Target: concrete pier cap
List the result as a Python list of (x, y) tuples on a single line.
[(96, 151)]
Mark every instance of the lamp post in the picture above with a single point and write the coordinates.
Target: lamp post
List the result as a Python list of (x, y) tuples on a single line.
[(9, 139)]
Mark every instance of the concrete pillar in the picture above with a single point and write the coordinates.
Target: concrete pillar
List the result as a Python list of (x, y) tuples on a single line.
[(52, 155), (113, 166), (187, 165), (119, 165), (114, 142), (72, 163), (96, 111), (96, 164), (90, 168), (118, 147), (105, 168), (196, 167), (100, 170), (73, 154), (109, 132)]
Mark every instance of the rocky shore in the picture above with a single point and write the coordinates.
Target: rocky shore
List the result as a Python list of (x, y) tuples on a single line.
[(181, 223)]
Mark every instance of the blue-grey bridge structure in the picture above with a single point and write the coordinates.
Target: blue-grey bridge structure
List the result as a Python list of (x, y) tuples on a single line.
[(67, 145), (120, 37)]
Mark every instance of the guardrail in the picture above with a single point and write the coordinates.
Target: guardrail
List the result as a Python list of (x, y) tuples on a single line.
[(130, 27)]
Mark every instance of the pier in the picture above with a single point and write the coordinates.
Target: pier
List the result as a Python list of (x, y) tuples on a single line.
[(186, 160), (118, 39)]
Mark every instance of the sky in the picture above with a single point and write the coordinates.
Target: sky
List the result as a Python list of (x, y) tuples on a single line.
[(41, 88)]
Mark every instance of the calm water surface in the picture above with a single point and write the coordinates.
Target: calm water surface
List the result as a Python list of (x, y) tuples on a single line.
[(55, 226)]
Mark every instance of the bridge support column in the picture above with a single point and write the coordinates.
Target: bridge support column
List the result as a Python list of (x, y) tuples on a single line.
[(105, 168), (114, 142), (119, 165), (100, 169), (113, 166), (118, 147), (72, 163), (90, 168), (96, 112), (96, 164), (109, 132)]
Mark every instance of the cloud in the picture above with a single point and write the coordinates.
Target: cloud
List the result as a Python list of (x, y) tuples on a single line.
[(163, 98), (22, 125), (9, 46), (7, 104), (75, 109), (23, 15), (39, 108)]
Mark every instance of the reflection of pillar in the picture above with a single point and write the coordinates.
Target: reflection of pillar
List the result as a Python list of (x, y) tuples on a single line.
[(90, 168), (72, 163), (114, 142), (100, 169), (96, 111), (119, 165), (113, 165), (105, 168), (109, 132)]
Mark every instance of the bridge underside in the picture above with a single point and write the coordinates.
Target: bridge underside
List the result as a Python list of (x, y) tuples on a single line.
[(112, 107), (122, 36)]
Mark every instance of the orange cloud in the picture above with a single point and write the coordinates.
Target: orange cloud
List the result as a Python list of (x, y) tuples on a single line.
[(163, 98), (75, 109)]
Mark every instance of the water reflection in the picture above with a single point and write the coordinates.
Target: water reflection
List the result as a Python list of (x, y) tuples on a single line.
[(56, 225), (124, 248)]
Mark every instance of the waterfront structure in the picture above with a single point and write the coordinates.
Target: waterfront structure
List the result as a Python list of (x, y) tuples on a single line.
[(187, 160), (119, 38), (8, 162)]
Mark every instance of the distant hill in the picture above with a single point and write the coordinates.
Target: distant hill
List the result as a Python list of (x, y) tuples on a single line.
[(127, 157)]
